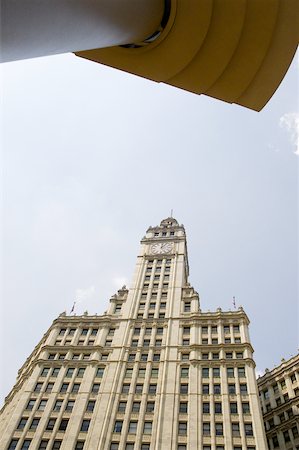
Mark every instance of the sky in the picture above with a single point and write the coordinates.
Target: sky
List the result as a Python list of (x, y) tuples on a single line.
[(91, 157)]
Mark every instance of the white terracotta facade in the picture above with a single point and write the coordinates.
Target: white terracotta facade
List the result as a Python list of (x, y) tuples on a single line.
[(153, 373)]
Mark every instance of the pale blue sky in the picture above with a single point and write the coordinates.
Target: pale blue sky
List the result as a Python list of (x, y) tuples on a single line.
[(93, 156)]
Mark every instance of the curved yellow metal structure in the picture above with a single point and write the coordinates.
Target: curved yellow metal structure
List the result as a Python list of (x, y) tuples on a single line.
[(237, 51)]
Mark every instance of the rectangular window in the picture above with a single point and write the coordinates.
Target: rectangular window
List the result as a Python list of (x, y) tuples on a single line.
[(43, 444), (79, 445), (51, 424), (132, 427), (218, 408), (129, 373), (114, 446), (147, 428), (135, 407), (85, 425), (45, 371), (56, 444), (233, 408), (80, 372), (125, 388), (230, 372), (215, 355), (122, 407), (150, 406), (42, 405), (183, 407), (70, 372), (184, 388), (241, 372), (95, 388), (141, 372), (206, 408), (205, 389), (75, 388), (243, 389), (214, 341), (217, 389), (236, 429), (152, 389), (187, 306), (186, 342), (22, 423), (49, 387), (131, 357), (219, 429), (248, 429), (138, 388), (26, 444), (34, 423), (30, 405), (64, 387), (245, 408), (63, 424), (130, 446), (205, 372), (143, 357), (232, 389), (90, 406), (182, 428), (94, 331), (146, 343), (57, 405), (154, 372), (70, 405), (55, 372), (216, 372), (13, 444), (38, 387), (184, 372), (206, 431)]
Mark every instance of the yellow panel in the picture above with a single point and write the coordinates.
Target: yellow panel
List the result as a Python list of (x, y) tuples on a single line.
[(259, 27), (169, 54), (217, 50), (277, 61)]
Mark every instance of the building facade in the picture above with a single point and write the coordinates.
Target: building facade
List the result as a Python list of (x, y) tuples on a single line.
[(279, 396), (154, 372)]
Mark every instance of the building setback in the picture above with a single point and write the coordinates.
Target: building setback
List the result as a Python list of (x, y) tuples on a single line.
[(154, 372), (279, 395)]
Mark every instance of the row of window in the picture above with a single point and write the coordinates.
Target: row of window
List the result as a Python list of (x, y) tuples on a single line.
[(75, 356), (279, 386), (84, 331), (65, 387), (213, 329), (57, 405), (44, 444), (276, 420), (287, 436)]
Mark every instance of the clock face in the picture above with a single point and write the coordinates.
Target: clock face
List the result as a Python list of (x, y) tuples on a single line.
[(161, 247)]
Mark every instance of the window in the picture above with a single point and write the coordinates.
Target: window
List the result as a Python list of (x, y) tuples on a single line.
[(94, 332), (146, 343), (184, 372), (69, 372), (214, 330), (205, 356), (186, 330), (205, 389), (186, 342), (152, 305), (283, 384), (154, 372), (236, 329), (182, 447), (70, 405), (275, 441), (152, 389), (245, 408), (42, 405), (216, 372), (185, 356), (206, 429), (233, 408), (43, 444), (51, 356), (138, 388), (215, 355), (206, 408), (132, 427), (141, 372), (204, 330), (49, 387), (145, 447), (75, 388), (34, 423), (130, 446), (184, 388), (64, 387), (63, 424), (114, 446), (183, 407), (131, 357), (295, 432), (205, 372), (226, 329), (241, 372), (134, 343), (117, 308), (243, 389), (125, 388), (62, 331), (214, 341), (293, 378), (239, 355), (158, 342), (100, 372), (248, 429), (187, 306), (129, 373), (71, 331), (218, 408), (76, 356), (56, 444), (30, 405), (230, 372), (13, 444), (22, 423), (90, 406), (217, 389), (182, 428), (135, 407), (150, 406), (57, 405), (205, 341), (122, 407), (147, 428), (232, 389), (227, 340), (38, 387), (26, 444), (236, 429), (50, 424), (45, 371), (62, 356), (85, 425), (55, 372), (79, 445), (219, 428)]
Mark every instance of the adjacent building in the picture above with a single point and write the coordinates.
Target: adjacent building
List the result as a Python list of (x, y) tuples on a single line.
[(152, 373), (279, 395)]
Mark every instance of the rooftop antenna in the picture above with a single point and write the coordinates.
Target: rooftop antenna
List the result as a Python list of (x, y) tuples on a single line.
[(171, 212)]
